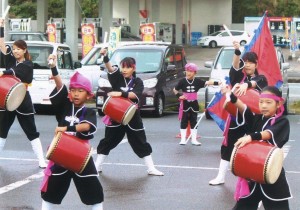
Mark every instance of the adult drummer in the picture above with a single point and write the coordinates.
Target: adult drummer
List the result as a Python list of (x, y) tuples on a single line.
[(125, 84), (243, 76), (18, 63)]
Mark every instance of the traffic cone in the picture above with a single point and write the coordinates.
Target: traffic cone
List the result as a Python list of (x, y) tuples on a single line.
[(188, 132)]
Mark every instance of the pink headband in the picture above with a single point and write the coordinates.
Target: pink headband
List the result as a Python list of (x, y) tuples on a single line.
[(271, 96)]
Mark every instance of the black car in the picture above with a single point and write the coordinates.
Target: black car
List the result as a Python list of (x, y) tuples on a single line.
[(160, 65)]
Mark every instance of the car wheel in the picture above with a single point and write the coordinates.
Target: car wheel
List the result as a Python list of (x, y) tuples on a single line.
[(213, 44), (286, 104), (207, 115), (159, 106), (243, 43)]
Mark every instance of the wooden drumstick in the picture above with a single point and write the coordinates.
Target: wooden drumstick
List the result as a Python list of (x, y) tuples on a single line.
[(5, 12)]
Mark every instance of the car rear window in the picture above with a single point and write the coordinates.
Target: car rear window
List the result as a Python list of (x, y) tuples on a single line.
[(147, 61), (224, 60)]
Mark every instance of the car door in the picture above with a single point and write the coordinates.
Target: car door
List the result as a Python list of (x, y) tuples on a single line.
[(224, 39)]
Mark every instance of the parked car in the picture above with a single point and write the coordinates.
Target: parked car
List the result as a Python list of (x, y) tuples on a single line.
[(27, 36), (220, 69), (42, 85), (160, 65), (223, 38)]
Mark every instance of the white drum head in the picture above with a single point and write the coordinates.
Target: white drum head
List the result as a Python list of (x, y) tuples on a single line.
[(129, 114), (15, 97), (273, 166)]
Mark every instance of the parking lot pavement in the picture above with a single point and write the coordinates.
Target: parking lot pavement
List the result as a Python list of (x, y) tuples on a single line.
[(199, 55)]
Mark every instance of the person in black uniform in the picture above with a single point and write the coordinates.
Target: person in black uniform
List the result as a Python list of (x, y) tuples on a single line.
[(18, 63), (76, 119), (274, 128), (189, 106), (243, 75), (125, 84)]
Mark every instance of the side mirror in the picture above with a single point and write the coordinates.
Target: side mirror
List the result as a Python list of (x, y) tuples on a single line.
[(99, 61), (285, 66), (208, 64), (171, 67), (77, 65)]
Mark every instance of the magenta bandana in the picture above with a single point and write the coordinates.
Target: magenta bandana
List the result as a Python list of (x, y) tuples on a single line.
[(278, 99)]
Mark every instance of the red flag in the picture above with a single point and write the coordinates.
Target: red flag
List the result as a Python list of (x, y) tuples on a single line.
[(262, 44)]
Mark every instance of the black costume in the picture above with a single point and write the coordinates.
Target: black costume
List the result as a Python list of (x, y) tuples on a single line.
[(25, 112), (135, 130), (236, 130), (87, 183), (274, 196), (190, 107)]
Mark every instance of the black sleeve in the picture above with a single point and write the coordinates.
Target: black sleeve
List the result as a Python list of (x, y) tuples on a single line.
[(91, 118), (280, 131), (236, 76), (59, 100), (179, 86), (138, 87), (115, 77), (261, 82)]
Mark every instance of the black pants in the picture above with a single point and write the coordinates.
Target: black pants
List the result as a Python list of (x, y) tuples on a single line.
[(135, 133), (188, 116), (251, 202), (27, 122), (88, 187)]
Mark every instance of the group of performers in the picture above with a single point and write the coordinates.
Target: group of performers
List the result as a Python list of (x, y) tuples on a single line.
[(269, 126), (74, 118)]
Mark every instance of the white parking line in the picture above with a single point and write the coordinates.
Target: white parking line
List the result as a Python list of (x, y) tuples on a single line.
[(20, 183)]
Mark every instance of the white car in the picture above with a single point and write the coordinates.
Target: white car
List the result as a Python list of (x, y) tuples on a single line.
[(42, 85), (220, 69), (223, 38)]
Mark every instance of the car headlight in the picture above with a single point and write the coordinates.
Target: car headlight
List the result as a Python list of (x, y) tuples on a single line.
[(150, 83), (103, 82)]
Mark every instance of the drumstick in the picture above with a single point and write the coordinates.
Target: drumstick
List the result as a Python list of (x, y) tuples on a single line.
[(228, 31), (5, 12)]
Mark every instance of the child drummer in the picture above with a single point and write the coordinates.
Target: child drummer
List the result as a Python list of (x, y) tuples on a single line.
[(272, 127), (125, 84), (76, 119), (189, 106)]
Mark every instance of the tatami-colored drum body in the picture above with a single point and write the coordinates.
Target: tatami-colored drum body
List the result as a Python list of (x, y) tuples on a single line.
[(69, 152), (257, 161), (119, 109)]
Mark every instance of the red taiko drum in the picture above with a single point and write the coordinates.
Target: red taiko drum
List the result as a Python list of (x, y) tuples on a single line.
[(251, 99), (119, 109), (12, 92), (257, 161), (69, 152)]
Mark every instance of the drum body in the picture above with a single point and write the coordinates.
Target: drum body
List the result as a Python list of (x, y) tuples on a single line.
[(251, 99), (119, 109), (257, 161), (12, 92), (69, 152)]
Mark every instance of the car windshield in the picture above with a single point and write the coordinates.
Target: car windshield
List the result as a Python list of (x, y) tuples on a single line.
[(224, 60), (91, 60), (147, 61), (39, 56)]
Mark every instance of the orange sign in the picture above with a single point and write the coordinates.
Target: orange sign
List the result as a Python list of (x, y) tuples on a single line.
[(51, 30), (88, 37), (148, 32)]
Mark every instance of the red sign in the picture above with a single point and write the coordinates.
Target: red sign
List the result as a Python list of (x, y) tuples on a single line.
[(88, 37)]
